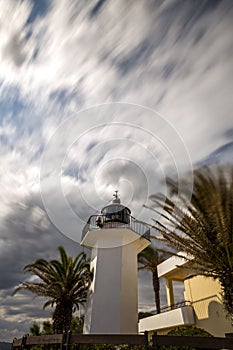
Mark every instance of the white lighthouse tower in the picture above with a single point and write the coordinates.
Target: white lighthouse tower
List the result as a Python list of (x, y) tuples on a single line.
[(115, 239)]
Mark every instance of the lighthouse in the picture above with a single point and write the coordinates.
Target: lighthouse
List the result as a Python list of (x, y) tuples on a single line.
[(115, 239)]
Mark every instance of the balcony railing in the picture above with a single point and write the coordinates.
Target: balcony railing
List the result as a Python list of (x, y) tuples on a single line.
[(180, 314), (167, 308), (96, 222), (178, 305)]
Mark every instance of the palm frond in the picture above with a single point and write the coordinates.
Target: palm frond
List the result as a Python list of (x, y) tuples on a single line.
[(202, 227)]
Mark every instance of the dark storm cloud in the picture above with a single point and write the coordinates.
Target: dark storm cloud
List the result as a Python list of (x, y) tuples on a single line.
[(11, 326), (19, 312), (31, 306), (12, 303), (27, 235)]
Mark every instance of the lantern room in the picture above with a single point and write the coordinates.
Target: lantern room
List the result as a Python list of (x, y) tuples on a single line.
[(116, 212)]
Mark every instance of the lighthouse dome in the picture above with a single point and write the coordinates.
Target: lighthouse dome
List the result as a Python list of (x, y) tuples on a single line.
[(116, 212)]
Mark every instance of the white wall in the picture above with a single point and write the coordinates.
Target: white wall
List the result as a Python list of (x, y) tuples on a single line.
[(112, 305)]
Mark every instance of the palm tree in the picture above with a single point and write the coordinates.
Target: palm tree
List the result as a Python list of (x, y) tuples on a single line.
[(149, 259), (202, 227), (64, 282)]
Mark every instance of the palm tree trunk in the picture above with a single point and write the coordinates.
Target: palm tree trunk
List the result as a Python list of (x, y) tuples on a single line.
[(156, 287), (62, 317)]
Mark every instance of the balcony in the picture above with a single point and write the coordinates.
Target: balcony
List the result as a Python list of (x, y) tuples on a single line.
[(180, 314), (95, 222), (104, 232)]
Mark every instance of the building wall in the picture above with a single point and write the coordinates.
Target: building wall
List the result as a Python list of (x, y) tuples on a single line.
[(205, 295)]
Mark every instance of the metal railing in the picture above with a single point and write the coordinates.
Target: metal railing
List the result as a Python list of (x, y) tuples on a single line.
[(167, 308), (96, 222)]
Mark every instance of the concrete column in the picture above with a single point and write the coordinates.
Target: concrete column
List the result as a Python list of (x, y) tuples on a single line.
[(170, 293)]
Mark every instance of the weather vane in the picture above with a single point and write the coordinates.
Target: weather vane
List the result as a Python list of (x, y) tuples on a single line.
[(115, 195)]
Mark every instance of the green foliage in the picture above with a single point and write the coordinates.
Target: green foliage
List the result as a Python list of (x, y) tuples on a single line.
[(96, 347), (203, 227), (189, 331), (47, 327), (35, 329), (111, 347), (186, 331), (77, 324), (132, 347), (64, 282)]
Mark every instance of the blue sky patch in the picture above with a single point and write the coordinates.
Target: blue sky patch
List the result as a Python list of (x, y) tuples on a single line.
[(39, 9), (11, 103)]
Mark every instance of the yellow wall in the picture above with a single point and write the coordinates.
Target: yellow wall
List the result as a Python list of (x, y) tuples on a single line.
[(205, 295)]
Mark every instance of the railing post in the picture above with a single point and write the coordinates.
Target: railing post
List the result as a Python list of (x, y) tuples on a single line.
[(23, 342), (12, 344), (63, 341), (68, 335), (155, 344), (146, 340)]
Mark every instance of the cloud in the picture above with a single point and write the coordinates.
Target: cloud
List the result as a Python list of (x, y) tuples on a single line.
[(26, 235), (62, 57), (18, 314), (25, 232), (15, 50)]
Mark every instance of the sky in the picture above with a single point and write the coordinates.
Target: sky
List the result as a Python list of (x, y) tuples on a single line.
[(97, 96)]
